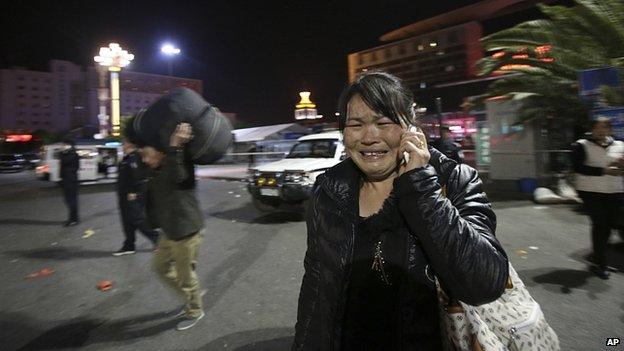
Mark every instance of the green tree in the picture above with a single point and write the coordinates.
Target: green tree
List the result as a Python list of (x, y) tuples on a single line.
[(548, 54)]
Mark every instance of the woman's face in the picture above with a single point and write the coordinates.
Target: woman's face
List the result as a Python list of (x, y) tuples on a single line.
[(372, 140)]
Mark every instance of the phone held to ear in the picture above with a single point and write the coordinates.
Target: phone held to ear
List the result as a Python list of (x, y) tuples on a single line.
[(412, 129)]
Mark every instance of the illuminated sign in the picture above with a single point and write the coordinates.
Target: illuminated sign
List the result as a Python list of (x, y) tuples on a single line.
[(13, 138)]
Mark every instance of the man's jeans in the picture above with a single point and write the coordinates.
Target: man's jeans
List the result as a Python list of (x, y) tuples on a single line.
[(175, 263)]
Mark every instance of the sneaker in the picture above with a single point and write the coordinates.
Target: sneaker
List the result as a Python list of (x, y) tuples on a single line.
[(123, 252), (70, 223), (601, 272), (189, 322), (182, 311)]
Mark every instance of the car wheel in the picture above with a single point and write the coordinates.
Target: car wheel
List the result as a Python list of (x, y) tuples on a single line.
[(263, 206)]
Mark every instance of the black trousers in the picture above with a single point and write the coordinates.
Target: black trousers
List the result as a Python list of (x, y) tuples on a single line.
[(603, 210), (70, 193), (133, 218)]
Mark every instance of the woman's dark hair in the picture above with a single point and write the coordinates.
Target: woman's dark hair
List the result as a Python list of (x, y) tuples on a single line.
[(383, 93)]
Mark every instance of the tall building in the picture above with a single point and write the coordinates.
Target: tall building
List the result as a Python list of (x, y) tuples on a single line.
[(67, 97), (437, 57)]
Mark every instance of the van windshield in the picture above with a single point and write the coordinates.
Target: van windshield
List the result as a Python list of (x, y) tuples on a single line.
[(320, 148)]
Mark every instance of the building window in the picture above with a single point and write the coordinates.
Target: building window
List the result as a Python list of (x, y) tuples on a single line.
[(20, 78), (20, 87), (360, 59)]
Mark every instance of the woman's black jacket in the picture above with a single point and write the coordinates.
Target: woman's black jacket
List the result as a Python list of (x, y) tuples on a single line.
[(454, 237)]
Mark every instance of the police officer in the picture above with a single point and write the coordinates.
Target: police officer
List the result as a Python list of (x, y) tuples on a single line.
[(131, 190), (69, 180)]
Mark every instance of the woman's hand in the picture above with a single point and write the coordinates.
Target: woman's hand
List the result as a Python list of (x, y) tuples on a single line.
[(181, 135), (414, 143)]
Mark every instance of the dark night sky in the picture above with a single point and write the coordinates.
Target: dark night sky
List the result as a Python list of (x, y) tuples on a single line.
[(253, 56)]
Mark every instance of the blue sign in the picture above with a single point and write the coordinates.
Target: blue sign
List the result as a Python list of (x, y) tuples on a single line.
[(591, 80), (616, 115)]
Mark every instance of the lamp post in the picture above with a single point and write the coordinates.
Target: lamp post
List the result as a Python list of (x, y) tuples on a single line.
[(170, 51), (114, 58)]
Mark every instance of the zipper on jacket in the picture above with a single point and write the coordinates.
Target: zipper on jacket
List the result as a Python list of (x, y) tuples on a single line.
[(343, 293)]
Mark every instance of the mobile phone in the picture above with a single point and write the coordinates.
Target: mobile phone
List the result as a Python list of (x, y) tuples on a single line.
[(412, 129)]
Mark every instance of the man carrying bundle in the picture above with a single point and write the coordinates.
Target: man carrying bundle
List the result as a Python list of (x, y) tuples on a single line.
[(173, 207), (177, 131)]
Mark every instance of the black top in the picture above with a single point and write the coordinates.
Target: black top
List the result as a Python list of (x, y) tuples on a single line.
[(371, 315), (132, 176), (70, 163)]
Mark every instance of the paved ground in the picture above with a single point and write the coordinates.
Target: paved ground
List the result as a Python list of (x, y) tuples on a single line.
[(251, 264)]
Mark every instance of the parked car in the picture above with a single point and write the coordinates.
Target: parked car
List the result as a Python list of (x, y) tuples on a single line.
[(32, 160), (12, 163), (289, 181)]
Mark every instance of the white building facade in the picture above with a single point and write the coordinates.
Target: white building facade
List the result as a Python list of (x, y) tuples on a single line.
[(66, 98)]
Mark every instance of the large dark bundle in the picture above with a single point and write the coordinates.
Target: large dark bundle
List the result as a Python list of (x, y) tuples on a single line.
[(212, 131)]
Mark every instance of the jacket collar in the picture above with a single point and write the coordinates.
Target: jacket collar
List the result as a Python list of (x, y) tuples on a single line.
[(342, 182), (607, 143)]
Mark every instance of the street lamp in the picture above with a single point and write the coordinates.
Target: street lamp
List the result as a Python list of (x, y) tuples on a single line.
[(170, 51), (114, 58)]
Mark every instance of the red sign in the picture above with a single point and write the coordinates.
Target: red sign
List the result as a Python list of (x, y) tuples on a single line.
[(12, 138)]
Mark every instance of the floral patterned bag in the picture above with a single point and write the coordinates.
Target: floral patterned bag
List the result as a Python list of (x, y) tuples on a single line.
[(513, 322)]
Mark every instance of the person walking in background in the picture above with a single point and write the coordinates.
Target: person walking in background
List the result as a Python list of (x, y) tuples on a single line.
[(131, 191), (599, 165), (252, 156), (70, 163), (173, 207), (449, 147)]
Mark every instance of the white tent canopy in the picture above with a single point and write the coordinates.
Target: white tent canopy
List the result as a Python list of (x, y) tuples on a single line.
[(274, 132)]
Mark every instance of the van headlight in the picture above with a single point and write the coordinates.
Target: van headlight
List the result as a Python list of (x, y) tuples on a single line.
[(294, 177)]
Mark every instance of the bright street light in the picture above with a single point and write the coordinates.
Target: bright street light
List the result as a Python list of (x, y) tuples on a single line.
[(114, 58), (170, 51)]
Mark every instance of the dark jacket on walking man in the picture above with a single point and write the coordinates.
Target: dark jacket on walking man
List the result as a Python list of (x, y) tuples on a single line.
[(173, 207), (132, 191), (70, 163)]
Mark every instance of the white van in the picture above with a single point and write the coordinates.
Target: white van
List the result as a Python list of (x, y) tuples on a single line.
[(98, 163), (290, 180)]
